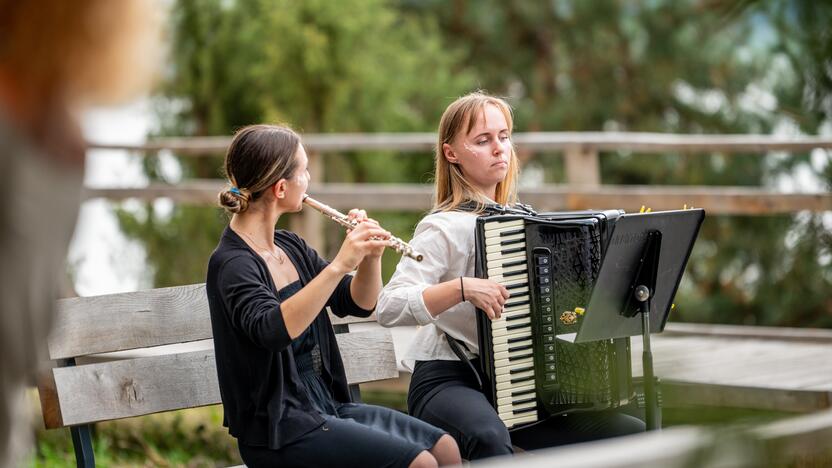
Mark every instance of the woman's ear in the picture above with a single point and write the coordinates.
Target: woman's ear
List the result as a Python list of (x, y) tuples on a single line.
[(449, 154), (279, 189)]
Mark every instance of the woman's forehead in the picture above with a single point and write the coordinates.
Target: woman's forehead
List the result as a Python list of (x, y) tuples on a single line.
[(488, 117)]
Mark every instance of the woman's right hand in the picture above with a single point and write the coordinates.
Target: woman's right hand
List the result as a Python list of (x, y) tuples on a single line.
[(486, 295), (365, 239)]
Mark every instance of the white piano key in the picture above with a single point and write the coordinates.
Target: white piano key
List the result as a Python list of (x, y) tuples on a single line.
[(503, 251), (508, 385), (500, 249), (504, 331), (500, 270), (525, 418), (519, 333), (508, 411), (514, 397), (497, 258), (506, 376), (513, 392), (496, 226), (514, 365), (502, 323), (505, 347), (500, 239), (511, 354)]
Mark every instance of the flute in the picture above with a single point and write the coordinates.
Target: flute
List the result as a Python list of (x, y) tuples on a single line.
[(393, 242)]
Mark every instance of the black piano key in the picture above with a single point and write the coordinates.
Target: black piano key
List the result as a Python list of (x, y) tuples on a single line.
[(518, 338), (518, 317), (521, 261), (521, 379), (518, 294), (523, 392), (524, 400), (517, 286), (527, 410), (521, 369), (511, 251), (518, 326), (520, 358), (517, 303), (512, 241), (519, 348), (513, 273), (511, 232)]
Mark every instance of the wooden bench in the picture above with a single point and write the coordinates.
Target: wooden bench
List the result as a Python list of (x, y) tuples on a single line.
[(104, 369)]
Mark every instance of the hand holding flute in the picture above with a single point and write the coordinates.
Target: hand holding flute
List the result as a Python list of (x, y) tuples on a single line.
[(393, 242)]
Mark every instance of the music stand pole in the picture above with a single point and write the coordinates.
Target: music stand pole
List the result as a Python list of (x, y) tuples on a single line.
[(642, 295)]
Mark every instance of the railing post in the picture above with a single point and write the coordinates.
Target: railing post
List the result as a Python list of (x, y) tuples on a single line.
[(582, 166), (309, 224)]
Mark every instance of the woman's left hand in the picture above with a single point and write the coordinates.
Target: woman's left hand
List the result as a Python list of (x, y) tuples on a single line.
[(360, 216)]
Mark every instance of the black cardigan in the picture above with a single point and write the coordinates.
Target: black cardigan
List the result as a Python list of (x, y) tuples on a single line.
[(262, 395)]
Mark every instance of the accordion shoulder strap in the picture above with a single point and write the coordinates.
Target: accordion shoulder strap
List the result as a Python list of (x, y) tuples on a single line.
[(456, 347), (497, 209)]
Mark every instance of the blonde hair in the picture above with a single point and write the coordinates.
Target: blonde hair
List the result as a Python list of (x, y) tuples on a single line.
[(451, 189)]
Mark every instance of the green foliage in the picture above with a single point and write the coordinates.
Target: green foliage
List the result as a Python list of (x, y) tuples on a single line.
[(757, 66), (347, 66), (682, 67)]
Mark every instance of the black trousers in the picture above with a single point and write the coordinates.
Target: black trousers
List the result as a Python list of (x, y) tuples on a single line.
[(360, 436), (446, 394)]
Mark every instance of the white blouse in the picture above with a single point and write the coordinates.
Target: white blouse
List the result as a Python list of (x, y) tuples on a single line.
[(446, 239)]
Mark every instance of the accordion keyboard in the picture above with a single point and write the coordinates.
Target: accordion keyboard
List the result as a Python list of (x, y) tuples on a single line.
[(513, 347)]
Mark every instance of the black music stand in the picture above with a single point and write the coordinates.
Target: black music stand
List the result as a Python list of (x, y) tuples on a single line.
[(643, 265)]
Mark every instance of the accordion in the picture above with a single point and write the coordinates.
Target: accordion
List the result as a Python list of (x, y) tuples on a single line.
[(549, 263)]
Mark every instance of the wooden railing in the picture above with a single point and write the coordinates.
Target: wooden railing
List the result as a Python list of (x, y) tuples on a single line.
[(583, 188)]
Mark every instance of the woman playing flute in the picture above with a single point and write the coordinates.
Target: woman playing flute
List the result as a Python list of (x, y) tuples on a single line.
[(281, 376)]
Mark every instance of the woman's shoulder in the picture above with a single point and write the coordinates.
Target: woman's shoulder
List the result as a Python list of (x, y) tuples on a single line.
[(448, 221)]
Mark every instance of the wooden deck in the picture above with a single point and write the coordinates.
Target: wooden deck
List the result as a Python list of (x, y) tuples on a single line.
[(764, 368)]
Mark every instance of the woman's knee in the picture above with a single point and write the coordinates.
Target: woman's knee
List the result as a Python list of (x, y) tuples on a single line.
[(488, 440), (424, 460), (446, 451)]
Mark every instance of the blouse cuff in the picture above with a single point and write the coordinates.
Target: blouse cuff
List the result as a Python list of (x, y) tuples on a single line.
[(416, 303)]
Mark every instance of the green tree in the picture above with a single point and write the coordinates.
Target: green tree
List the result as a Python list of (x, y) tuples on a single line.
[(684, 67), (321, 66)]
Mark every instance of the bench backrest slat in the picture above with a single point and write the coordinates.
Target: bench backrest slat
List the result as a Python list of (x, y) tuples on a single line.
[(133, 387), (142, 319)]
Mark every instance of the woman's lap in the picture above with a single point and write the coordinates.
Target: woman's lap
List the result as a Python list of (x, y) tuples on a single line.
[(362, 435), (444, 395)]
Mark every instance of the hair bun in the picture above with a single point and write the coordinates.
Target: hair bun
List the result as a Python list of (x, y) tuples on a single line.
[(234, 200)]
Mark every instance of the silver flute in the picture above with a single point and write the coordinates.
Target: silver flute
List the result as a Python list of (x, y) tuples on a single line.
[(393, 242)]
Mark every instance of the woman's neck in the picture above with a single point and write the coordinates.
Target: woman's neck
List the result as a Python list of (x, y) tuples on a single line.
[(256, 224), (489, 193)]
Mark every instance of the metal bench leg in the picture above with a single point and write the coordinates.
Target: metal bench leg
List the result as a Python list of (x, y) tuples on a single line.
[(81, 436), (82, 442)]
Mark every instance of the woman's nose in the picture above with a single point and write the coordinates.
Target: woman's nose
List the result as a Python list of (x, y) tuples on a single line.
[(498, 149)]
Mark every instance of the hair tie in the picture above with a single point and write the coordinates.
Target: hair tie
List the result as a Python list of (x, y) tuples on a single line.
[(235, 191)]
